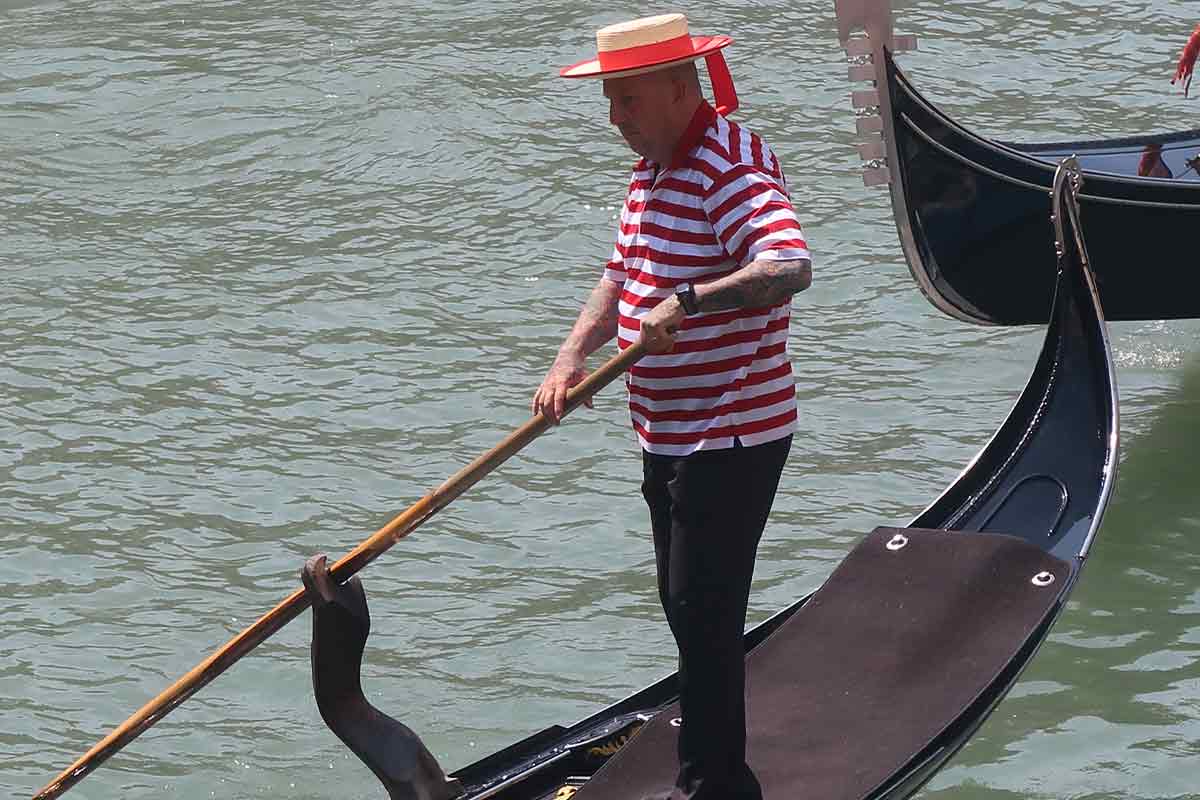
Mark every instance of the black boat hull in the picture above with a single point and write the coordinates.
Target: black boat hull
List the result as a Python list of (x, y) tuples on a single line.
[(976, 212), (970, 214), (1045, 477)]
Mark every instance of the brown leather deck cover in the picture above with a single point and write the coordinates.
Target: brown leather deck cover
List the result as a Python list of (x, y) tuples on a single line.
[(893, 648)]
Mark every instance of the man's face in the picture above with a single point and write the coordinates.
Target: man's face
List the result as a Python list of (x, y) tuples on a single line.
[(638, 106)]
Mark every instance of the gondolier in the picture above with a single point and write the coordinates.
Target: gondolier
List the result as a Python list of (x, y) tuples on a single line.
[(708, 255)]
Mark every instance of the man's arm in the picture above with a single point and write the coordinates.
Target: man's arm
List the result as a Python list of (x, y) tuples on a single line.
[(759, 284), (597, 323)]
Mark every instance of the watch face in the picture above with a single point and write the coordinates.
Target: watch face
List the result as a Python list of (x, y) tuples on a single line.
[(687, 297)]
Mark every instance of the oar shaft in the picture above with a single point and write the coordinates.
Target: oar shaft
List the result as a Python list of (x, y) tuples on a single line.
[(366, 552)]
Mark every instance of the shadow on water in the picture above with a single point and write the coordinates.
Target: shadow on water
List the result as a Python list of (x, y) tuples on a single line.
[(1114, 696)]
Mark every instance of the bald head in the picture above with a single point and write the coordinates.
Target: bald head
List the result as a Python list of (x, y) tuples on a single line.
[(652, 110)]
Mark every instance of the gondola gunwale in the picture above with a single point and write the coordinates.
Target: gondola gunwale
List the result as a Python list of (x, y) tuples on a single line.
[(897, 79), (1001, 176), (1121, 142), (899, 82), (1069, 226)]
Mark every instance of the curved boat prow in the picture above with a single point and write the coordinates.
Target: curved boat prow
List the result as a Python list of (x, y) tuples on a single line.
[(1067, 416), (867, 35)]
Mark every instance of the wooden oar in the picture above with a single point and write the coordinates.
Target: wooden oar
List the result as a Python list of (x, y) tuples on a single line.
[(352, 562)]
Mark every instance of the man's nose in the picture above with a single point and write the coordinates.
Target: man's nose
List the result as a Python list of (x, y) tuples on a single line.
[(614, 114)]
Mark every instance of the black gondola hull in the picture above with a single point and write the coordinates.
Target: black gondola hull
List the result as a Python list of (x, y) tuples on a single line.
[(1014, 528), (972, 219)]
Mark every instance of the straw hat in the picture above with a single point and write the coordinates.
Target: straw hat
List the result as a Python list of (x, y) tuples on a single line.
[(644, 45)]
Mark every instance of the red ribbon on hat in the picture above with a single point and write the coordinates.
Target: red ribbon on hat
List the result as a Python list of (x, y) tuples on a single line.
[(724, 95)]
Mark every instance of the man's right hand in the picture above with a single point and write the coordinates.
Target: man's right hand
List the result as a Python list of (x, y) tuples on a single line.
[(551, 396)]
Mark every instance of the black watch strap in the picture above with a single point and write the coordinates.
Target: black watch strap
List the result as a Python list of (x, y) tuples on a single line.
[(687, 298)]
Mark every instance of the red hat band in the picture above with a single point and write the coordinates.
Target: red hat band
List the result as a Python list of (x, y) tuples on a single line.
[(656, 53)]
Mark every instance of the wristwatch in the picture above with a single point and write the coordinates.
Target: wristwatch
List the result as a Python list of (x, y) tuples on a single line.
[(687, 298)]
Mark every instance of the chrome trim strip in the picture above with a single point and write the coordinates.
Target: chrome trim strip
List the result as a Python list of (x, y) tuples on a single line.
[(520, 776), (1069, 172), (1093, 198), (1020, 155)]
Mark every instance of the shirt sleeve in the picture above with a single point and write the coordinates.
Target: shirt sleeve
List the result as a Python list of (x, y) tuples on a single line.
[(752, 215), (614, 270)]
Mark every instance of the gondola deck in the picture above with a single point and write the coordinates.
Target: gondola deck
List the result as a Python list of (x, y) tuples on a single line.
[(908, 632)]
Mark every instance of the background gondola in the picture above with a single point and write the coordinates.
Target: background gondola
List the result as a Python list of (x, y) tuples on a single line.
[(968, 209)]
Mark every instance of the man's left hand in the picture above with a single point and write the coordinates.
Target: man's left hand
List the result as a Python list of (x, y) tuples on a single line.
[(661, 324)]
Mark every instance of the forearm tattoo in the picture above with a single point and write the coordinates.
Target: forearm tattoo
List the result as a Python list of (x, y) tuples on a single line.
[(598, 319), (760, 284)]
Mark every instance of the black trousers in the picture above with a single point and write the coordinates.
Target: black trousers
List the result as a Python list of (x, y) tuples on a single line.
[(708, 511)]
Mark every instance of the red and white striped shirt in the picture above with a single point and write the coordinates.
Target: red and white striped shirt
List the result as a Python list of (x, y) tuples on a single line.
[(721, 204)]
